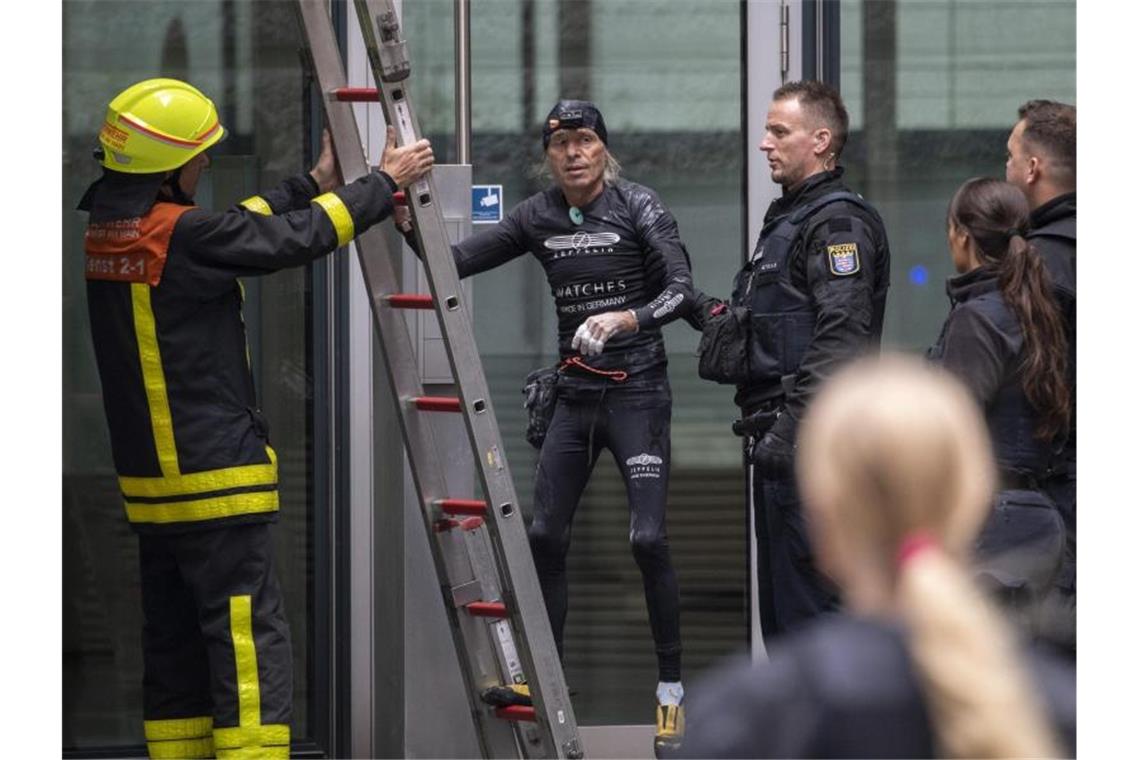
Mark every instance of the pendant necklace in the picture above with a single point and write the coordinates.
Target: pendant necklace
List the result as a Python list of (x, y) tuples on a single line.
[(576, 215)]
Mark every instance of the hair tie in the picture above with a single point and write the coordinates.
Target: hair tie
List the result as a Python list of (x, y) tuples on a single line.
[(912, 545), (1013, 232)]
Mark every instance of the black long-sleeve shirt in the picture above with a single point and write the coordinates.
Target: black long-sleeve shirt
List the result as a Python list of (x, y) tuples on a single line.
[(625, 254)]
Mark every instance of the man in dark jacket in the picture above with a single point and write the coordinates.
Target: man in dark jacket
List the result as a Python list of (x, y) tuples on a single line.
[(191, 447), (1042, 162), (810, 298)]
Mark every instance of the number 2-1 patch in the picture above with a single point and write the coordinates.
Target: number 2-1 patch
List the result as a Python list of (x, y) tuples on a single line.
[(843, 259)]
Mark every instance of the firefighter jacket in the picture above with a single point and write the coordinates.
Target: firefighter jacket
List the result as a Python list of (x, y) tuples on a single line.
[(191, 447)]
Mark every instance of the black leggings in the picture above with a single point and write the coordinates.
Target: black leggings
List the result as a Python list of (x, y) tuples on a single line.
[(633, 423)]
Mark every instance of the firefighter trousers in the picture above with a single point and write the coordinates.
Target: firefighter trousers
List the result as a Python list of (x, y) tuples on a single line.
[(217, 661)]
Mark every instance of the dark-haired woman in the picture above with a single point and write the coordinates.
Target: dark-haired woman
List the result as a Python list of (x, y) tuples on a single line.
[(1005, 339)]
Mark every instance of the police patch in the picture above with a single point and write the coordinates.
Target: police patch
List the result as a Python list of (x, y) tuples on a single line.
[(843, 259)]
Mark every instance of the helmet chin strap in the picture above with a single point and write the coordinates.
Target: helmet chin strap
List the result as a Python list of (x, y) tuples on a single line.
[(173, 188)]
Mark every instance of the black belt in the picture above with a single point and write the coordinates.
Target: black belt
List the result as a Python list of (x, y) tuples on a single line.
[(1011, 480)]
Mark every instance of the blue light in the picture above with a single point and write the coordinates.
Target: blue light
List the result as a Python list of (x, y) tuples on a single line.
[(918, 275)]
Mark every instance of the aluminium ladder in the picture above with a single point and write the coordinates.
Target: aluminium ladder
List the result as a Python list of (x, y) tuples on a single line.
[(480, 550)]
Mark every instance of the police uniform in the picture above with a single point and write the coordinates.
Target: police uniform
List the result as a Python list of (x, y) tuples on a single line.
[(813, 294), (191, 447), (1053, 233), (1020, 549), (842, 687)]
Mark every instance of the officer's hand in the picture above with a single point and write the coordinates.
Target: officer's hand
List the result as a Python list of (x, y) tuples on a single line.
[(406, 164), (592, 334), (325, 172), (773, 455)]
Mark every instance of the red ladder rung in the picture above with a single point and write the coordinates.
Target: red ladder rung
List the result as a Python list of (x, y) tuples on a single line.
[(516, 712), (487, 609), (437, 404), (357, 94), (400, 198), (474, 507), (411, 301), (471, 523)]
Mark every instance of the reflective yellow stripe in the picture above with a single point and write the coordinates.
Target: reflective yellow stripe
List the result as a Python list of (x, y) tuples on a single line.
[(154, 380), (177, 749), (202, 482), (339, 215), (258, 205), (249, 738), (179, 737), (245, 656), (256, 741), (203, 509), (178, 728)]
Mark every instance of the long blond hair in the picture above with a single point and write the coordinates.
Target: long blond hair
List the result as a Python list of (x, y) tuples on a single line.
[(892, 450), (611, 172)]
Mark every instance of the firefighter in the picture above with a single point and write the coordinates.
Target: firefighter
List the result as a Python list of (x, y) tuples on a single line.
[(190, 445)]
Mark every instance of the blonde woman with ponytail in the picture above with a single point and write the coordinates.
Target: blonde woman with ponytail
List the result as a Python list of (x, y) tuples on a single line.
[(896, 469), (1005, 339)]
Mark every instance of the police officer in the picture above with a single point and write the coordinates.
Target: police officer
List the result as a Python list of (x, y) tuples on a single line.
[(1042, 163), (1005, 339), (618, 272), (809, 299), (191, 447)]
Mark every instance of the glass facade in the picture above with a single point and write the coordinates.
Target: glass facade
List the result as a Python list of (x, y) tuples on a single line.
[(669, 84), (933, 87), (251, 69)]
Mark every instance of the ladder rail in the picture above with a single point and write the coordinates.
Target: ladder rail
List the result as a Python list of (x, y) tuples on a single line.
[(520, 589), (395, 341)]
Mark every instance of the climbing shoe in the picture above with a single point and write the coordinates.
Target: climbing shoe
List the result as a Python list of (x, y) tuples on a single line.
[(670, 730)]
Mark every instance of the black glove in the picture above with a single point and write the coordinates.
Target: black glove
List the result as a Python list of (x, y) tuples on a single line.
[(755, 424), (775, 454)]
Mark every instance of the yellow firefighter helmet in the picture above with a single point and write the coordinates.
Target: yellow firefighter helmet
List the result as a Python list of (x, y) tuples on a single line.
[(158, 125)]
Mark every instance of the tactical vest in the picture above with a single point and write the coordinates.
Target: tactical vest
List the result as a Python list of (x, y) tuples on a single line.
[(1011, 419), (782, 320), (189, 446)]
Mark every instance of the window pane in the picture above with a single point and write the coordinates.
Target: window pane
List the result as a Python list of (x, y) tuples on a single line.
[(250, 67), (933, 88)]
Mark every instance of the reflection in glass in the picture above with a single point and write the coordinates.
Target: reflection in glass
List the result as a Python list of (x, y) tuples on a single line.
[(933, 87)]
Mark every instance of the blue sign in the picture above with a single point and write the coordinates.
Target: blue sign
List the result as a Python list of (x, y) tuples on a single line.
[(486, 204)]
